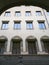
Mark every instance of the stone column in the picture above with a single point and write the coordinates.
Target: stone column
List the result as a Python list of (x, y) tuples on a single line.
[(40, 47), (8, 48), (24, 47)]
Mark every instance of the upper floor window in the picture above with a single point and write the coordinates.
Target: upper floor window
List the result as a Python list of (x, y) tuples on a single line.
[(42, 25), (27, 13), (5, 25), (18, 13), (7, 13), (38, 13), (17, 25), (48, 13), (29, 25)]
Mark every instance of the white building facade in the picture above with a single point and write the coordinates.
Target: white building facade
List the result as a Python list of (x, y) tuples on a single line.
[(24, 30)]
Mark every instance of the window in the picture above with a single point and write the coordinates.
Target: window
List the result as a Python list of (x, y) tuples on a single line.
[(27, 13), (2, 47), (18, 13), (46, 45), (48, 13), (5, 25), (7, 13), (32, 47), (41, 25), (29, 25), (16, 47), (17, 25), (38, 13)]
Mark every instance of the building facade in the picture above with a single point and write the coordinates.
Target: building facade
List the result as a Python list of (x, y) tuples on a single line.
[(24, 30)]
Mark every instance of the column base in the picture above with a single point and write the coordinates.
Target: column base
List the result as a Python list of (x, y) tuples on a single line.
[(42, 53), (7, 53), (24, 53)]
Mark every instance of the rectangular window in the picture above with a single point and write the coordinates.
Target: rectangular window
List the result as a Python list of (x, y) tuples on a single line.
[(7, 13), (29, 25), (38, 13), (45, 45), (27, 13), (17, 25), (18, 13), (41, 25), (48, 13), (2, 45), (5, 25)]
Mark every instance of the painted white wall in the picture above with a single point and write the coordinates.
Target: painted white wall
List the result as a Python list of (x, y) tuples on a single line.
[(24, 33)]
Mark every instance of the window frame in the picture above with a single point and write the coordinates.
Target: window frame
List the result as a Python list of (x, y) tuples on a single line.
[(5, 27), (27, 13), (18, 13), (7, 14), (28, 28), (19, 25), (38, 13), (41, 25), (47, 13)]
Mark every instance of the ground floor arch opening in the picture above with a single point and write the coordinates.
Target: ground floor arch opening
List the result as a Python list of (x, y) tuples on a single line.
[(16, 45), (31, 43), (45, 43), (3, 44)]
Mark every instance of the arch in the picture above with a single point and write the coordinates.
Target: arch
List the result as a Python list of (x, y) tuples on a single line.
[(8, 8), (16, 38), (3, 38), (11, 3), (16, 45), (44, 37), (3, 44), (31, 45), (45, 43), (31, 38)]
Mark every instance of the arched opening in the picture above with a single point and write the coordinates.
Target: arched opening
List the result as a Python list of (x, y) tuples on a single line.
[(3, 44), (32, 44), (45, 43), (16, 45), (11, 3)]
